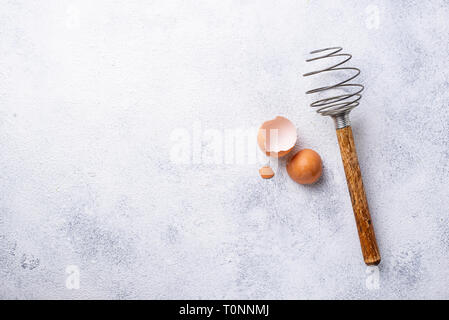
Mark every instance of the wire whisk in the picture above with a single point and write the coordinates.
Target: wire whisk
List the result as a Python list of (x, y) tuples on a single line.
[(339, 107)]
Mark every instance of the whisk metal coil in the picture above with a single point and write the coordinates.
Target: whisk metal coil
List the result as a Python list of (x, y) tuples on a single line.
[(338, 106)]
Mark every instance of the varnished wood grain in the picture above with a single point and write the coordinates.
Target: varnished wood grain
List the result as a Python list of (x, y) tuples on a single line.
[(365, 228)]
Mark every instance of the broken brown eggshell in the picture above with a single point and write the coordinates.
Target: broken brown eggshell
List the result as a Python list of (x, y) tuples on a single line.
[(266, 172), (277, 137)]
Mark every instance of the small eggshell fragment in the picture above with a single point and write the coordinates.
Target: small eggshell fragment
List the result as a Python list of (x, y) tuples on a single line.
[(266, 172), (305, 167), (277, 137)]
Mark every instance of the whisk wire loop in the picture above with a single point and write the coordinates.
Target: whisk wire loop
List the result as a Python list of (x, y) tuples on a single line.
[(340, 104)]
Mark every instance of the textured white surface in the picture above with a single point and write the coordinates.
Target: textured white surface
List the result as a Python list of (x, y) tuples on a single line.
[(90, 92)]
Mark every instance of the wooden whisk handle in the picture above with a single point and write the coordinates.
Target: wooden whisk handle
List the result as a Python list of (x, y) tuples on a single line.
[(365, 228)]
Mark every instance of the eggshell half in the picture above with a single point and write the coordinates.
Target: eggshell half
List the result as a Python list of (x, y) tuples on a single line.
[(277, 137)]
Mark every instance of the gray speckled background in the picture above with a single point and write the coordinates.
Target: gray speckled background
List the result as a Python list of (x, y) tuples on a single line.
[(90, 92)]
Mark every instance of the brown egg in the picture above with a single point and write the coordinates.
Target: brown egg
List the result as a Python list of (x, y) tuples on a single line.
[(266, 172), (305, 167), (277, 137)]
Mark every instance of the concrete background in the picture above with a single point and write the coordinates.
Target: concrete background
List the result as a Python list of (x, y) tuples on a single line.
[(92, 91)]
